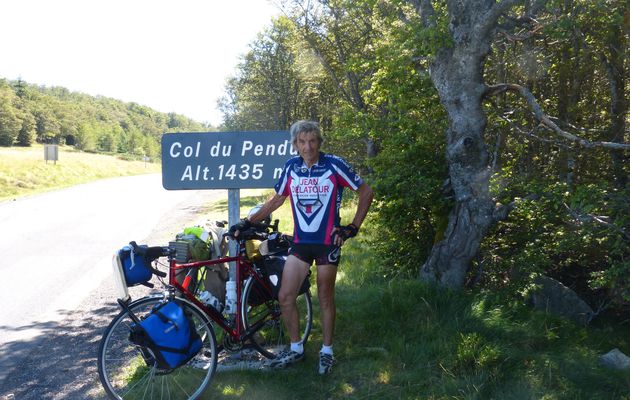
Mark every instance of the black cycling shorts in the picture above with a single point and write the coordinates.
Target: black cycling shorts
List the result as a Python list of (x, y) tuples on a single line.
[(322, 254)]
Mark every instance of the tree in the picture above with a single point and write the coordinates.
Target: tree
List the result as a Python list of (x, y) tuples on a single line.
[(9, 121), (26, 135), (341, 35), (457, 71), (47, 126), (268, 92), (85, 137)]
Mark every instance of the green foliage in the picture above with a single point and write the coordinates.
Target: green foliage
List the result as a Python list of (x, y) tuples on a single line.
[(9, 125), (85, 138), (26, 135), (362, 68), (31, 114), (9, 122), (278, 82), (579, 237), (408, 123)]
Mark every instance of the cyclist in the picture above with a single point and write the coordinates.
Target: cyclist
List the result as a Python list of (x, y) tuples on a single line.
[(314, 182)]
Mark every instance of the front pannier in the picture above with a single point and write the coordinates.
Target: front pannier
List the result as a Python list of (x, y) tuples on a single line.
[(170, 335)]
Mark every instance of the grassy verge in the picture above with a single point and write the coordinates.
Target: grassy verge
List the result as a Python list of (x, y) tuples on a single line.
[(407, 340), (397, 339), (23, 170)]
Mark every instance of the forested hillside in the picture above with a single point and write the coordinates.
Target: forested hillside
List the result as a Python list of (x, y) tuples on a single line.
[(31, 113), (495, 133)]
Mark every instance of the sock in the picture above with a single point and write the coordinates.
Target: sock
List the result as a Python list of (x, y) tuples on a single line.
[(327, 349), (297, 347)]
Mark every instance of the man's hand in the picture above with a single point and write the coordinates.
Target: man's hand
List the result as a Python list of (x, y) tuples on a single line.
[(343, 233), (241, 226)]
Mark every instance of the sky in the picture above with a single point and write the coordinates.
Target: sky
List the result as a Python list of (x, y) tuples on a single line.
[(169, 55)]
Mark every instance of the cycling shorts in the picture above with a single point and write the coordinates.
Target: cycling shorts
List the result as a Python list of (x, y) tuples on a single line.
[(322, 254)]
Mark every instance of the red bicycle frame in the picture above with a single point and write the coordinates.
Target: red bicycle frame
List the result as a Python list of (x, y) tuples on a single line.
[(244, 269)]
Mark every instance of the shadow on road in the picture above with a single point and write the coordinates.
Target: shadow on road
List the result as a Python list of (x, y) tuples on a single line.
[(61, 363)]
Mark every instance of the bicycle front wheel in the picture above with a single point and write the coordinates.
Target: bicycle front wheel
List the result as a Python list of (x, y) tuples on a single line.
[(262, 313), (128, 371)]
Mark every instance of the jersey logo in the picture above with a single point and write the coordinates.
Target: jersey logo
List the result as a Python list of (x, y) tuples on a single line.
[(311, 198)]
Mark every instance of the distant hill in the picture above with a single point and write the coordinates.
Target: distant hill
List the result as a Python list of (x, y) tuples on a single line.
[(38, 114)]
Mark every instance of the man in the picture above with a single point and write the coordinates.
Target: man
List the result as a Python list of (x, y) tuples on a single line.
[(314, 182)]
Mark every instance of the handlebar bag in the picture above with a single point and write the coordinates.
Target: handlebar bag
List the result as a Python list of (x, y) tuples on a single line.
[(170, 335), (135, 267)]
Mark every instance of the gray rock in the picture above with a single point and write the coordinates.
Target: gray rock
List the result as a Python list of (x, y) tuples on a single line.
[(553, 297), (615, 359)]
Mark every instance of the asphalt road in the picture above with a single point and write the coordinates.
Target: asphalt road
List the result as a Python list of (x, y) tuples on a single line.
[(57, 295)]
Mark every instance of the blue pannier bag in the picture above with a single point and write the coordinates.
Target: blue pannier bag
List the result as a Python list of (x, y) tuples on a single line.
[(170, 335), (135, 266)]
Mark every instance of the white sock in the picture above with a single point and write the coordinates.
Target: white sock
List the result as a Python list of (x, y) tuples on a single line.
[(297, 347), (327, 349)]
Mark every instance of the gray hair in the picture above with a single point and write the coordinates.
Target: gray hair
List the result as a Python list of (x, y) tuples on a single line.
[(305, 127)]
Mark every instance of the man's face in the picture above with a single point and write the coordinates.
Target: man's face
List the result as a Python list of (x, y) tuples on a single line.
[(308, 147)]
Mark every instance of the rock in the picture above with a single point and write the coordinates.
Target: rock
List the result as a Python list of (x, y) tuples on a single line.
[(553, 297), (615, 359)]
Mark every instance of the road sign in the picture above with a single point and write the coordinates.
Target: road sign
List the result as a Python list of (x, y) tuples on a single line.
[(224, 160), (51, 152)]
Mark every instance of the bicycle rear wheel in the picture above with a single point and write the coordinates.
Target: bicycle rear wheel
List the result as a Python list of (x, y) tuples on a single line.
[(127, 372), (259, 311)]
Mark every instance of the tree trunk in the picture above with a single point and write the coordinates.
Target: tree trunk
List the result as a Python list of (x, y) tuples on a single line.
[(469, 174), (618, 106), (457, 73)]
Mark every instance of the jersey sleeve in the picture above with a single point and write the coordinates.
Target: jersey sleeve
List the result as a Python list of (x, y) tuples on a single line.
[(348, 177), (282, 186)]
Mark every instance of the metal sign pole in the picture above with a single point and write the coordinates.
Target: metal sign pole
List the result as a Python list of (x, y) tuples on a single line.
[(234, 215)]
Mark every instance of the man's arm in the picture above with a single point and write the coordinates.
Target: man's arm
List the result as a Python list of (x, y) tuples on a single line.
[(366, 194), (270, 206)]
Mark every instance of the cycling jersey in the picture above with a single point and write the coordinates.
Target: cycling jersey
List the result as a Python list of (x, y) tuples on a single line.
[(315, 195)]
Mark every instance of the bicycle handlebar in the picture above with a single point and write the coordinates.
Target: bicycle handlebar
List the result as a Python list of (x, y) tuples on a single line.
[(258, 230), (152, 253), (251, 233)]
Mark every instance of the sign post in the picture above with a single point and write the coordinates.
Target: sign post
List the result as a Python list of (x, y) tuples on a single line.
[(234, 207), (224, 160)]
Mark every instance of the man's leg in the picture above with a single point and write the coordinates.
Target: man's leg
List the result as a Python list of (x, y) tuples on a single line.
[(326, 275), (295, 270)]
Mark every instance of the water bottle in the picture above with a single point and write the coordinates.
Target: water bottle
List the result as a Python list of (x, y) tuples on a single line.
[(208, 299), (230, 297)]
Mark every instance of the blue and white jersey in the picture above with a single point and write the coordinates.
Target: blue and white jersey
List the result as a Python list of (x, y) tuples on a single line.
[(315, 195)]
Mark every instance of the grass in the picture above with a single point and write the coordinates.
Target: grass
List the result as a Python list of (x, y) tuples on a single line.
[(23, 170), (397, 339), (407, 340)]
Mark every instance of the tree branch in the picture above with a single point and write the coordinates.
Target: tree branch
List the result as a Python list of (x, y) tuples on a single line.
[(425, 10), (597, 219), (523, 36), (544, 118), (492, 16), (531, 134)]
